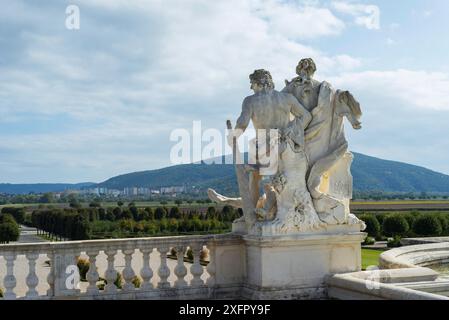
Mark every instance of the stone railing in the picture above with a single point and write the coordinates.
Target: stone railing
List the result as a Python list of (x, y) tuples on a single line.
[(391, 284), (49, 270)]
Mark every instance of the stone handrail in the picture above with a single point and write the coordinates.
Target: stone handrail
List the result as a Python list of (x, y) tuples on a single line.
[(62, 259), (382, 285), (415, 255)]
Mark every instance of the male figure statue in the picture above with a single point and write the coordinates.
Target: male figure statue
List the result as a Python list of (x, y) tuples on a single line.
[(271, 109), (328, 177)]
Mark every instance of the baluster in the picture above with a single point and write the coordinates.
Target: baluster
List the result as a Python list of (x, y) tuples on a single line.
[(110, 274), (196, 269), (211, 266), (146, 273), (10, 280), (164, 270), (51, 275), (92, 275), (32, 280), (180, 269), (128, 272)]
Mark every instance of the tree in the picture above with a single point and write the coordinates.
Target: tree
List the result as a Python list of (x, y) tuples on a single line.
[(47, 198), (9, 232), (173, 225), (120, 203), (395, 225), (9, 229), (95, 204), (174, 213), (160, 213), (17, 213), (134, 212), (372, 224), (126, 214), (110, 215), (117, 213), (211, 213), (427, 225), (178, 202), (148, 214)]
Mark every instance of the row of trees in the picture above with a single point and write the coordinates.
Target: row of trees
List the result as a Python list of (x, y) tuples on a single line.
[(94, 222), (17, 213), (406, 224), (62, 223), (140, 214), (381, 195)]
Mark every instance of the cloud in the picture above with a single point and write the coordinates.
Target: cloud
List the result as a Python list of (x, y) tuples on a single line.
[(405, 114), (133, 72), (418, 89), (367, 16)]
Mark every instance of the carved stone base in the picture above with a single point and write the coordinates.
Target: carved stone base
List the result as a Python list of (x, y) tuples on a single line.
[(277, 228), (296, 267), (239, 226)]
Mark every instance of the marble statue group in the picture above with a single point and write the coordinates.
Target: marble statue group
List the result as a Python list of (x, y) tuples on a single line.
[(311, 186)]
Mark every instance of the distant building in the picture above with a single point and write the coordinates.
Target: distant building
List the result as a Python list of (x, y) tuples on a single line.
[(174, 189)]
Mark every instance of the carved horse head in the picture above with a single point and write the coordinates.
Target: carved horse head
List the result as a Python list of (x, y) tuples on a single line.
[(347, 106)]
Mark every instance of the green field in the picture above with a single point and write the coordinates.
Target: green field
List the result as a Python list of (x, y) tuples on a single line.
[(395, 202), (370, 257)]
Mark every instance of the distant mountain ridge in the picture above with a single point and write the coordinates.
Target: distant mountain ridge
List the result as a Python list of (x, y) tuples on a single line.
[(370, 174), (26, 188)]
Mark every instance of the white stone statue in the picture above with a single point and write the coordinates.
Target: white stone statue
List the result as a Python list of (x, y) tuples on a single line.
[(311, 185)]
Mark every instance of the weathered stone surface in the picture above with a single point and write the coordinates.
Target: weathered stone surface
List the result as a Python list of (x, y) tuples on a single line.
[(309, 180)]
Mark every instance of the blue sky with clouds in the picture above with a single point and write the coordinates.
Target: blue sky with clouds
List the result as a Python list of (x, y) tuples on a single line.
[(88, 104)]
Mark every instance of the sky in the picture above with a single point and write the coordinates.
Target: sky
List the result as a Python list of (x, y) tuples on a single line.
[(90, 103)]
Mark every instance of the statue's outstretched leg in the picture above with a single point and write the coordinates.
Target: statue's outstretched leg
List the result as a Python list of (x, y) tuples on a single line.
[(218, 198)]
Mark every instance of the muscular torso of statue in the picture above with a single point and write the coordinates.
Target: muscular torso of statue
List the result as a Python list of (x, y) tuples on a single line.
[(270, 110)]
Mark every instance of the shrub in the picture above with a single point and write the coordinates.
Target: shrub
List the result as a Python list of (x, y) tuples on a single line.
[(381, 217), (118, 281), (372, 224), (427, 225), (17, 213), (204, 254), (369, 240), (83, 267), (137, 281), (394, 242), (410, 218), (444, 220), (174, 213), (9, 230), (395, 225), (189, 254), (160, 213)]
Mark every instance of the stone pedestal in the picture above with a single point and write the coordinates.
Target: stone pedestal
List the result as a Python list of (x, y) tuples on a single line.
[(296, 266)]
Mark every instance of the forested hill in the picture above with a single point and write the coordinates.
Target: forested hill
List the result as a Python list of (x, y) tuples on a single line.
[(369, 173)]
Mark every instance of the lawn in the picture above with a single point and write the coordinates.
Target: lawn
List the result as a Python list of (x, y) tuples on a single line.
[(370, 257)]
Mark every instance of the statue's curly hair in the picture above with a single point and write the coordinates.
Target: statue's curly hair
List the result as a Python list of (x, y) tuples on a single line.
[(311, 67), (263, 78)]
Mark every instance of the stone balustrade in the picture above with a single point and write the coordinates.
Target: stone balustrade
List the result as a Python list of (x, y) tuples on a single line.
[(49, 271)]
